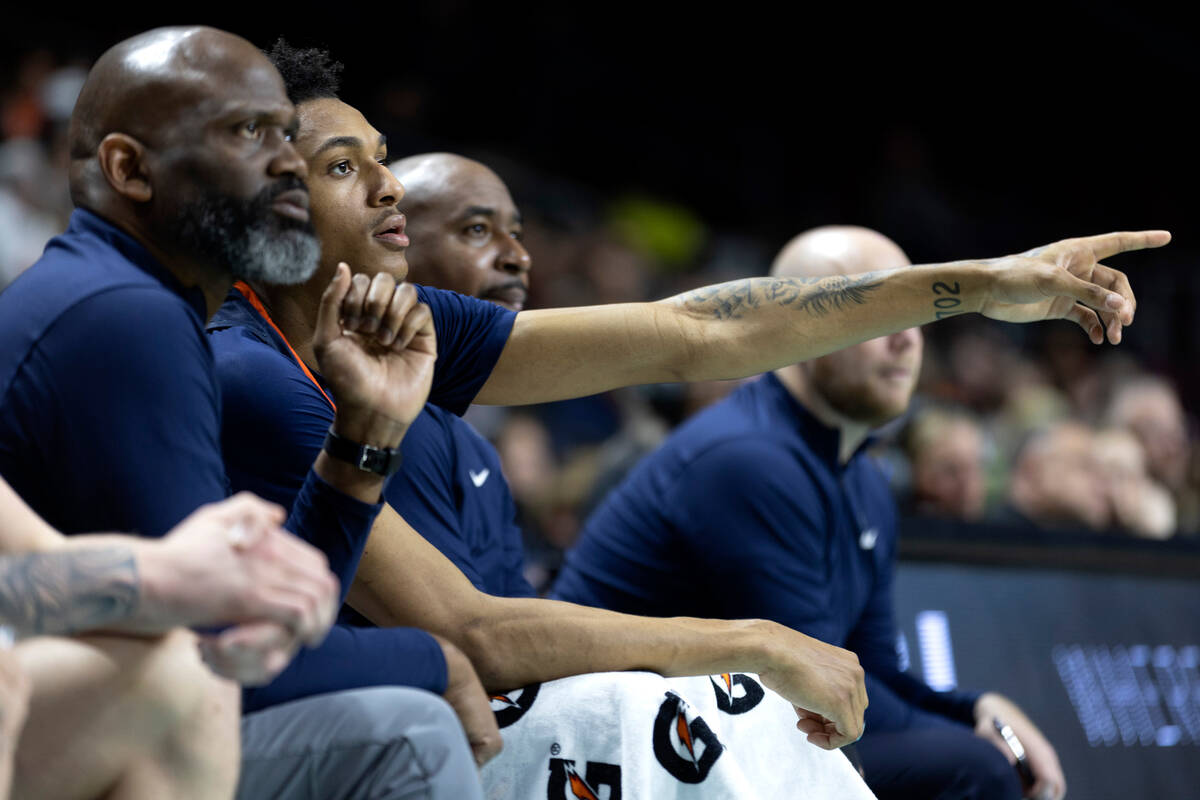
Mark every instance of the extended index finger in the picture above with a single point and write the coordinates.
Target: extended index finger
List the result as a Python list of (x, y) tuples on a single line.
[(1110, 244)]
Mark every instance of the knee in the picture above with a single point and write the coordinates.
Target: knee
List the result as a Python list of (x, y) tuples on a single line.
[(400, 718), (383, 713), (988, 773), (942, 762), (174, 685)]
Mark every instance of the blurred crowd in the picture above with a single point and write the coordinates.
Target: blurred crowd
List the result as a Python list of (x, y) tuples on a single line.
[(34, 203), (1039, 432), (1033, 428)]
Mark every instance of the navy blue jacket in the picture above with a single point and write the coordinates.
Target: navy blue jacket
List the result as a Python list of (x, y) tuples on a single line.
[(275, 422), (745, 512)]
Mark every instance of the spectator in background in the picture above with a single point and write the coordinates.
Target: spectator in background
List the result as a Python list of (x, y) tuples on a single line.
[(946, 452), (25, 227), (1070, 477), (34, 203), (1054, 481), (1149, 407), (1137, 503), (22, 111)]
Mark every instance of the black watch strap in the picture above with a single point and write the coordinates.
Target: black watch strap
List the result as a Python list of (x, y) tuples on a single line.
[(383, 461)]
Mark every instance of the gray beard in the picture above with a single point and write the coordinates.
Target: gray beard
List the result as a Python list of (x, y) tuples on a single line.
[(247, 238), (284, 258)]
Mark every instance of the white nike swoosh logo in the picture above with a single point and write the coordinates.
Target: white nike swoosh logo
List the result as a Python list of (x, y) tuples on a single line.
[(478, 478)]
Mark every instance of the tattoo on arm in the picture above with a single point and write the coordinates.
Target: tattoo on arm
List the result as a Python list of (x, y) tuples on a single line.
[(816, 296), (946, 300), (67, 592)]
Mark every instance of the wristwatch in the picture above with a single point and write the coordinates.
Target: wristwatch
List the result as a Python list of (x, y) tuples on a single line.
[(383, 461)]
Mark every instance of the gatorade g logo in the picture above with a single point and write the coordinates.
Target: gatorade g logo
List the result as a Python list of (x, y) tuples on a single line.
[(685, 749), (736, 693), (511, 706), (567, 784)]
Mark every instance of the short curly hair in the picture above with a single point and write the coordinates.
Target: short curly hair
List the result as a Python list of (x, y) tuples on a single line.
[(308, 73)]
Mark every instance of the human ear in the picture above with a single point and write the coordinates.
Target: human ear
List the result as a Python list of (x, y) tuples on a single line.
[(123, 161)]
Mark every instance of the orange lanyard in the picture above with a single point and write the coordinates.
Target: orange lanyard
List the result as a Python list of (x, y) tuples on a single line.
[(251, 296)]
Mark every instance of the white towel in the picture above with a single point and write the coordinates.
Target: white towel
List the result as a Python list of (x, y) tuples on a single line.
[(639, 736)]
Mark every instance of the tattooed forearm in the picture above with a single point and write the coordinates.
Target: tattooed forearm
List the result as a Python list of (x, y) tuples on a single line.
[(838, 292), (946, 300), (817, 296), (69, 591)]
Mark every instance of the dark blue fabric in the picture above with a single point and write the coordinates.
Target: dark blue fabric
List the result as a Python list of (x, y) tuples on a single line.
[(937, 763), (471, 334), (745, 512), (452, 491), (110, 410), (275, 423), (355, 658)]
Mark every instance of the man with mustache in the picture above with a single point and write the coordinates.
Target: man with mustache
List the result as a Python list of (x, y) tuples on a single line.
[(766, 504), (492, 356), (465, 230), (184, 177)]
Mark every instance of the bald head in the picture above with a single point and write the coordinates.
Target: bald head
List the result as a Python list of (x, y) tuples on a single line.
[(148, 86), (868, 383), (465, 229), (431, 177), (837, 250)]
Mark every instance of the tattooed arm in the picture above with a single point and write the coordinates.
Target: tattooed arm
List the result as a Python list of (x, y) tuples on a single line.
[(48, 587), (68, 591), (227, 563), (757, 324)]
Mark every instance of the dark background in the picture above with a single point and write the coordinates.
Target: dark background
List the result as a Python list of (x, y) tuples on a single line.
[(1035, 120)]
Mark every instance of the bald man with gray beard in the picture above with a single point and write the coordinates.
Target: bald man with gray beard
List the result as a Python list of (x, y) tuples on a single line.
[(184, 177), (767, 505)]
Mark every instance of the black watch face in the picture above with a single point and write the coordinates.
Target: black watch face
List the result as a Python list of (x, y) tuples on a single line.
[(375, 460), (381, 461)]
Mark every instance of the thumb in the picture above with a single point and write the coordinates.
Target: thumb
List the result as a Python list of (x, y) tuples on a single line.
[(329, 326)]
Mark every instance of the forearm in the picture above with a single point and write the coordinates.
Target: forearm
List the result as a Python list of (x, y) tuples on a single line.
[(757, 324), (404, 581), (69, 591), (730, 330), (334, 522), (516, 641)]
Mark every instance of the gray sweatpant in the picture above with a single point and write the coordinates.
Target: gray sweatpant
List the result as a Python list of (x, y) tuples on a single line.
[(383, 743)]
